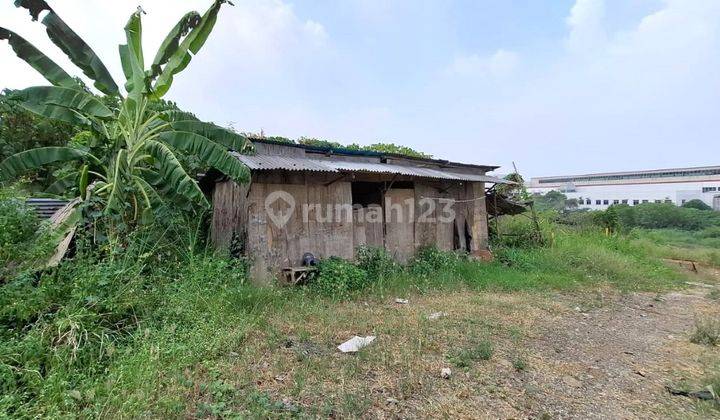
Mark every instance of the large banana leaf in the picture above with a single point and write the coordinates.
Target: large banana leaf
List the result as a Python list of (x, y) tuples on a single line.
[(148, 191), (39, 61), (74, 99), (22, 162), (56, 112), (63, 184), (177, 115), (163, 193), (72, 45), (189, 46), (173, 174), (117, 175), (209, 152), (172, 41), (223, 136), (131, 57)]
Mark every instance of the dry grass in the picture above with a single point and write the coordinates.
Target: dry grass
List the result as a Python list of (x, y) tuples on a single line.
[(294, 358), (707, 332), (539, 364)]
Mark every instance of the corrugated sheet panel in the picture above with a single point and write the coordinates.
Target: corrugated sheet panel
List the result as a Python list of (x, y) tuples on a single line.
[(270, 162), (45, 207)]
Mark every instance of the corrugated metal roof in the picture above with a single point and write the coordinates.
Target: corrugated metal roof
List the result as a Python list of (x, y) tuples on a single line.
[(45, 207), (343, 151), (270, 162)]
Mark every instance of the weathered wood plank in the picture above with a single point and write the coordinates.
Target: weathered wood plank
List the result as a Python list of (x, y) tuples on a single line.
[(340, 242), (425, 215), (400, 223), (359, 235)]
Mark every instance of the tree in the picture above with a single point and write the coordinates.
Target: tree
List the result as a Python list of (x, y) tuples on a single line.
[(696, 204), (572, 203), (609, 219), (552, 200), (129, 157), (21, 130)]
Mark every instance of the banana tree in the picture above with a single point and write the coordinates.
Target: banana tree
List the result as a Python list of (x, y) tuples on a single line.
[(138, 167)]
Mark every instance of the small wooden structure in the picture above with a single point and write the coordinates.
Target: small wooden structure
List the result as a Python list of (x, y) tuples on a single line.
[(329, 202), (292, 276)]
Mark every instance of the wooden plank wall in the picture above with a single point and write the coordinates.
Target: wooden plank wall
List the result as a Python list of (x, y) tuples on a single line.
[(368, 230), (241, 209), (400, 223), (470, 216), (324, 232), (467, 201), (433, 226), (229, 213)]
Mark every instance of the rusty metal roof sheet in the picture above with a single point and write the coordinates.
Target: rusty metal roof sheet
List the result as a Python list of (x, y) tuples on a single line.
[(270, 162)]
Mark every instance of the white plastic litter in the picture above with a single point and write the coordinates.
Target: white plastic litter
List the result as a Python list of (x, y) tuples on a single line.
[(356, 343), (401, 301), (437, 315), (446, 373)]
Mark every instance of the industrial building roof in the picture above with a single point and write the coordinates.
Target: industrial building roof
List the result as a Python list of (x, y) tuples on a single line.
[(631, 175)]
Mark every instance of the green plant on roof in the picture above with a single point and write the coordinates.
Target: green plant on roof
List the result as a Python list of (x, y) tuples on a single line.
[(131, 164)]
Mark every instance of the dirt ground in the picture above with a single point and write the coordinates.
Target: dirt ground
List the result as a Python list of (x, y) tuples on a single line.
[(598, 354), (615, 361)]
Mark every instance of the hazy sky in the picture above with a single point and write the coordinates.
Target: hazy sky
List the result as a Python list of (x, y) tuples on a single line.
[(558, 86)]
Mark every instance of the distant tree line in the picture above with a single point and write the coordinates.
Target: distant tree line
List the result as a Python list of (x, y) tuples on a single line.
[(693, 215)]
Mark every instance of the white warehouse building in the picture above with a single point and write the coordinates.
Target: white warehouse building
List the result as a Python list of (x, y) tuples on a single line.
[(598, 191)]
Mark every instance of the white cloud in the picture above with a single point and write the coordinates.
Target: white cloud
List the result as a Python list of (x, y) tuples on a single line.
[(266, 31), (594, 98), (251, 35), (603, 99), (586, 26), (500, 64)]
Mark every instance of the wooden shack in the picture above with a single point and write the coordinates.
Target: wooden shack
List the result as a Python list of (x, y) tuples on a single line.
[(328, 202)]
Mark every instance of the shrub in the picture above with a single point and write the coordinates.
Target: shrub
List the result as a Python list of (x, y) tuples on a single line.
[(666, 215), (656, 216), (707, 332), (520, 231), (519, 364), (430, 260), (712, 232), (608, 219), (338, 278), (466, 357), (18, 222), (696, 204), (714, 294), (582, 219), (63, 329), (376, 262), (24, 240)]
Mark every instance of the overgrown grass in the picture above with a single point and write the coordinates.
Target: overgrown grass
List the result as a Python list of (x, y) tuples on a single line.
[(702, 246), (116, 331)]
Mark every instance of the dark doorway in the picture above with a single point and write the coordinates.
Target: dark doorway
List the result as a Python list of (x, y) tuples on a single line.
[(367, 193)]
